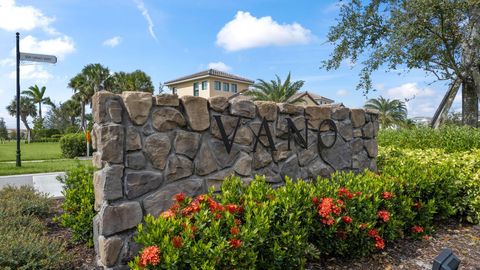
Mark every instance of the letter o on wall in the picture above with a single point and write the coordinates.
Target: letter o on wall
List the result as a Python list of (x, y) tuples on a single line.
[(333, 126)]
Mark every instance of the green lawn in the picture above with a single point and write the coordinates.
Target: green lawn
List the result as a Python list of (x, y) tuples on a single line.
[(32, 151), (41, 167)]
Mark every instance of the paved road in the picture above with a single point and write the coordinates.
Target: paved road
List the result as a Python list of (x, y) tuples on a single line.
[(43, 182)]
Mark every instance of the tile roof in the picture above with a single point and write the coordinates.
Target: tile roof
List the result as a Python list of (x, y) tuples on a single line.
[(211, 72), (315, 97)]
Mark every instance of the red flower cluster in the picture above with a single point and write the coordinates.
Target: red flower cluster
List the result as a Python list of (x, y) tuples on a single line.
[(326, 208), (387, 195), (235, 243), (177, 241), (347, 219), (417, 205), (234, 230), (168, 214), (234, 209), (379, 243), (417, 229), (344, 192), (180, 197), (149, 256), (384, 215)]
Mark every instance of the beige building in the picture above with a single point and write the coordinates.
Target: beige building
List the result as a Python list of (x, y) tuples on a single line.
[(208, 83), (307, 98)]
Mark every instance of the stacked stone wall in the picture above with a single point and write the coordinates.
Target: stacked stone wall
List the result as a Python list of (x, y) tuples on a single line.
[(152, 147)]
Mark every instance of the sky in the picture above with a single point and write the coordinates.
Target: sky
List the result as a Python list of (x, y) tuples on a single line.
[(256, 39)]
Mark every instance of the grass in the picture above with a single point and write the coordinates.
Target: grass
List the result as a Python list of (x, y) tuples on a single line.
[(32, 151), (41, 167)]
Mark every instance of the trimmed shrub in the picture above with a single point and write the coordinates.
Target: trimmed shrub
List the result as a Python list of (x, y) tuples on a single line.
[(79, 203), (23, 240), (73, 145), (258, 227), (449, 138)]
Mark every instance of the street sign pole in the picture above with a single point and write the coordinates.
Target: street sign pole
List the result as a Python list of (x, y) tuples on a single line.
[(19, 162)]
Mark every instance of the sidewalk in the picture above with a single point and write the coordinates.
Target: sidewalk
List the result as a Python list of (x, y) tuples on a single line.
[(43, 182)]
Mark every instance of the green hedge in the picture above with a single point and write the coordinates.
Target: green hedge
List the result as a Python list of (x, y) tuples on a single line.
[(24, 243), (257, 227), (79, 203), (449, 138), (73, 145)]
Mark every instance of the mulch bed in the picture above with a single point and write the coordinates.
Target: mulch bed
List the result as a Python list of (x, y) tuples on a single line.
[(463, 239)]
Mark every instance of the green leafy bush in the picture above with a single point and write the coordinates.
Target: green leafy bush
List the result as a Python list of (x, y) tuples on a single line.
[(73, 145), (449, 138), (79, 203), (23, 240), (258, 227)]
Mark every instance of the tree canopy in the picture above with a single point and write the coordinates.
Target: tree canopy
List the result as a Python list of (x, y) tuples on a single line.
[(390, 112), (438, 36)]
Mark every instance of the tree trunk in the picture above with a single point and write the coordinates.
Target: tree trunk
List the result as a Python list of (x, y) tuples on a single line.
[(469, 103), (72, 120), (83, 115), (40, 110), (445, 105)]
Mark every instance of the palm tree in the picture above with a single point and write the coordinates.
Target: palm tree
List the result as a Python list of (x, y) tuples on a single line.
[(96, 74), (27, 108), (134, 81), (82, 93), (72, 108), (36, 94), (276, 90), (391, 112)]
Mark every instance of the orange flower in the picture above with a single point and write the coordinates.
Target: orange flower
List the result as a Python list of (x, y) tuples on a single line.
[(168, 214), (149, 255), (417, 205), (315, 200), (238, 222), (234, 230), (379, 243), (235, 243), (344, 192), (383, 215), (180, 197), (177, 241), (417, 229), (387, 195), (347, 219), (233, 208), (372, 233), (328, 221)]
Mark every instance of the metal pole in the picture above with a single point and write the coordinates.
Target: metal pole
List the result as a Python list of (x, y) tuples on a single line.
[(19, 162)]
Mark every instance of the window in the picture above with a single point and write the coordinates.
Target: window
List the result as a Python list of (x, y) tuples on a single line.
[(226, 87), (195, 89), (234, 88), (174, 90), (204, 85), (218, 86)]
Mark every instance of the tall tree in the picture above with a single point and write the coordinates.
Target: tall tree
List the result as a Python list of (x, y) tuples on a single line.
[(134, 81), (37, 95), (3, 130), (275, 90), (72, 109), (82, 93), (27, 108), (441, 37), (391, 112), (95, 75), (59, 117)]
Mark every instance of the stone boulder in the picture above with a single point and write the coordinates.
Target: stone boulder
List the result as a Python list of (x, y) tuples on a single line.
[(157, 147), (134, 142), (186, 143), (316, 114), (109, 249), (110, 143), (205, 161), (120, 217), (267, 109), (167, 100), (358, 117), (178, 167), (107, 184), (242, 106), (218, 103), (243, 165), (196, 109), (139, 183), (167, 118), (138, 105), (290, 109)]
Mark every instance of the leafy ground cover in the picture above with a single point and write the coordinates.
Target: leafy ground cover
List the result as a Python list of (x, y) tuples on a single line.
[(9, 168), (31, 151)]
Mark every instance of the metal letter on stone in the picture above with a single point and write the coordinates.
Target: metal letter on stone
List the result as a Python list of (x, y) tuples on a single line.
[(296, 133), (264, 125), (228, 143)]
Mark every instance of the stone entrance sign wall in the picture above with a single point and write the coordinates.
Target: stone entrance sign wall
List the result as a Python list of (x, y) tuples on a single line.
[(152, 147)]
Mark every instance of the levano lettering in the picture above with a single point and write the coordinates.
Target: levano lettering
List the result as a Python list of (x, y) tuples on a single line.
[(264, 130)]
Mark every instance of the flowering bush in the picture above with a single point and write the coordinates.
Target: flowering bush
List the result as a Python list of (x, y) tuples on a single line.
[(257, 227)]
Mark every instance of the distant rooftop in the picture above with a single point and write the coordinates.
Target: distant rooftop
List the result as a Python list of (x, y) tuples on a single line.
[(313, 96), (210, 72)]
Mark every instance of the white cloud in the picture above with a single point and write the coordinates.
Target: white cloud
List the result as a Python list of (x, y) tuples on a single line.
[(342, 93), (16, 18), (7, 62), (112, 42), (59, 46), (219, 66), (409, 91), (146, 15), (246, 31), (32, 72)]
